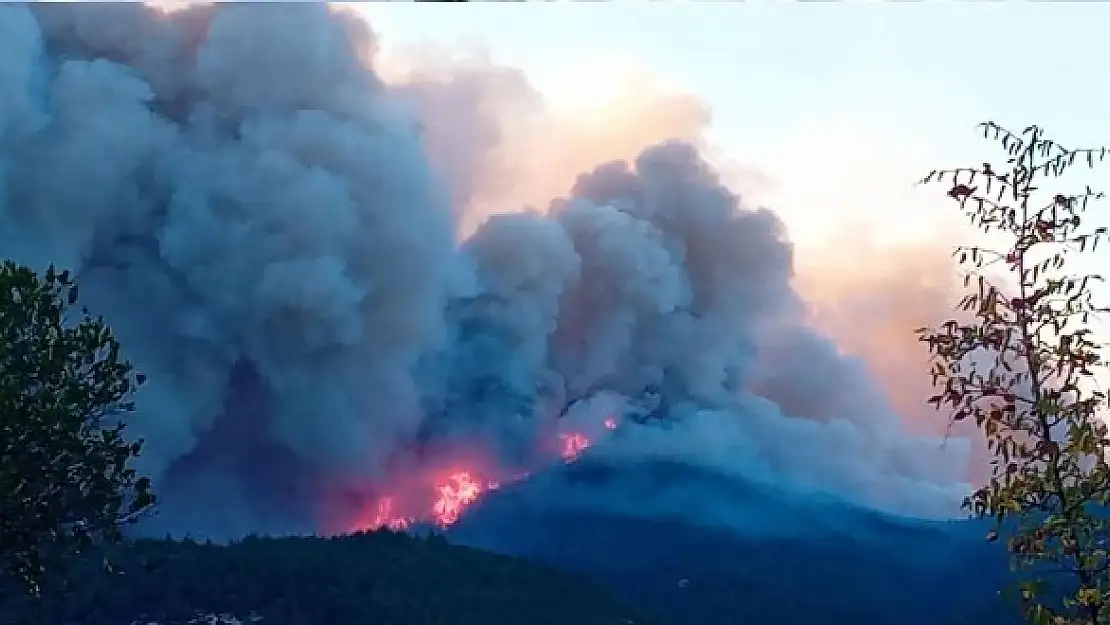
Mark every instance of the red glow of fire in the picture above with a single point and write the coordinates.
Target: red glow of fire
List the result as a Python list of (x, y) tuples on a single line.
[(573, 445), (460, 491), (450, 492), (383, 516)]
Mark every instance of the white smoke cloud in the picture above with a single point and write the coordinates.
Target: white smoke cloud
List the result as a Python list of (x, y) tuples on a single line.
[(297, 253)]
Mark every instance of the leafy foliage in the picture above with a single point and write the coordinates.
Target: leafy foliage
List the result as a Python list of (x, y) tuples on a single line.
[(1021, 364), (378, 578), (65, 482)]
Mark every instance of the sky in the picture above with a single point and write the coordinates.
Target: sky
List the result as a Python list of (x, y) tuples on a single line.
[(822, 97)]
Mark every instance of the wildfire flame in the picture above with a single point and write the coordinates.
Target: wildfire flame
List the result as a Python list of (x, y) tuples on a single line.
[(383, 517), (460, 491), (573, 445), (451, 492)]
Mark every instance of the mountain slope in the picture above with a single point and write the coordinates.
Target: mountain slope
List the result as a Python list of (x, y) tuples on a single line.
[(824, 561), (705, 549)]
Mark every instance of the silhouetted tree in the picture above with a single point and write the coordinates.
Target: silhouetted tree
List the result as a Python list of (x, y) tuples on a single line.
[(1022, 368), (65, 483)]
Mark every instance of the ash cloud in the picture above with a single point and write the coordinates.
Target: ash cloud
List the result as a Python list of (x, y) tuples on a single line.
[(304, 259)]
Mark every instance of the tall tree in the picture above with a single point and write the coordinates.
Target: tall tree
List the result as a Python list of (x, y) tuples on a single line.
[(65, 480), (1021, 362)]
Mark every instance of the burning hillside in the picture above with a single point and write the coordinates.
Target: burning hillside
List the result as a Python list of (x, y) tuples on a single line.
[(442, 490), (286, 243)]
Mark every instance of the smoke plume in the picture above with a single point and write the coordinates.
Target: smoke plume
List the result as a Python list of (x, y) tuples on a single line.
[(340, 284)]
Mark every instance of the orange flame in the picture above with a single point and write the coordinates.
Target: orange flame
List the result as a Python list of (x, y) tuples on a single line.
[(452, 492), (460, 491), (384, 516), (573, 445)]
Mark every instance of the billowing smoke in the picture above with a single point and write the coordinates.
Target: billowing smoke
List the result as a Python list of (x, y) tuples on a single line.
[(297, 252), (873, 308)]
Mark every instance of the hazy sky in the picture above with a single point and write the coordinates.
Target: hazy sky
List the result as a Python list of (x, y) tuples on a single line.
[(819, 94)]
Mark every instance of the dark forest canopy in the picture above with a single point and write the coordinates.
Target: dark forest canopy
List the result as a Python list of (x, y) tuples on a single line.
[(379, 578)]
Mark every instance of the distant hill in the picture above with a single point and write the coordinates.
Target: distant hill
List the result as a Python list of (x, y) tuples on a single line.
[(379, 578), (827, 562)]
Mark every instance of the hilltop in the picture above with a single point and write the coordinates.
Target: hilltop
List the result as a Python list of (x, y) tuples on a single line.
[(760, 555), (704, 576)]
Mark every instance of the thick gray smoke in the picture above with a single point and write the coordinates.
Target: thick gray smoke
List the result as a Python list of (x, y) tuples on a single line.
[(255, 212)]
